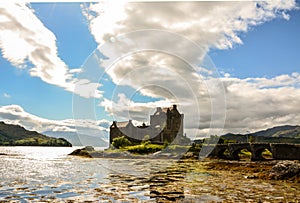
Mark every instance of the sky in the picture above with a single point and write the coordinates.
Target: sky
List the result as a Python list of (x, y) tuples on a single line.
[(75, 67)]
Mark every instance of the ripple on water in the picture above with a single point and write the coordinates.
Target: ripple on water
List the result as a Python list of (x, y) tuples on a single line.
[(67, 195)]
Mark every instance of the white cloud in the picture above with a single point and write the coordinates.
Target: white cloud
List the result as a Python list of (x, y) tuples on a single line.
[(209, 24), (158, 66), (279, 107), (278, 81), (27, 43), (5, 95), (173, 81), (260, 103), (157, 75), (63, 129), (15, 114), (251, 105), (125, 109)]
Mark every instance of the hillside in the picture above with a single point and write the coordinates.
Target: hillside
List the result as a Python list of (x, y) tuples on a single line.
[(280, 131), (15, 135), (278, 134)]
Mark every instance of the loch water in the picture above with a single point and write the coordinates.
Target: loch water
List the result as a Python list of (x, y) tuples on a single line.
[(48, 174), (33, 174)]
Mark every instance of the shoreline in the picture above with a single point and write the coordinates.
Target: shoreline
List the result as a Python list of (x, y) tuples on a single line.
[(263, 169)]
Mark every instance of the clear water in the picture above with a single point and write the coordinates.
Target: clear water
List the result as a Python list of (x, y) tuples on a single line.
[(47, 173)]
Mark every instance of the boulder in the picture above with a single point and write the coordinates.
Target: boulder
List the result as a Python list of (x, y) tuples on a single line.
[(117, 155), (285, 170), (90, 152), (81, 152), (89, 148)]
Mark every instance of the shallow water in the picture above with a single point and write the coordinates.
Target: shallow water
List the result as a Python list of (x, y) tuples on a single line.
[(48, 174)]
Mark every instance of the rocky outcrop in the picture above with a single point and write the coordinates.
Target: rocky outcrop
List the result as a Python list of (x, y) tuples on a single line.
[(84, 152), (90, 152), (285, 170), (80, 152)]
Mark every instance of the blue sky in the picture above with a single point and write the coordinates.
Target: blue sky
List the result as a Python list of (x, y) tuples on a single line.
[(261, 44), (268, 50), (74, 43)]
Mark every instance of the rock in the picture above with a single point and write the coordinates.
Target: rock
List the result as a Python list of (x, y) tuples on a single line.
[(81, 152), (2, 154), (91, 153), (285, 170), (89, 148), (189, 155)]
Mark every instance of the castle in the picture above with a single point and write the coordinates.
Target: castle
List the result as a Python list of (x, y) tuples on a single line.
[(166, 124)]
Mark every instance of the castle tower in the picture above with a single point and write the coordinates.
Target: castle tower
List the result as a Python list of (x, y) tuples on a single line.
[(165, 125)]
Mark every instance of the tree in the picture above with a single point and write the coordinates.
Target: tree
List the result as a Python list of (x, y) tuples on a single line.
[(120, 142), (221, 140)]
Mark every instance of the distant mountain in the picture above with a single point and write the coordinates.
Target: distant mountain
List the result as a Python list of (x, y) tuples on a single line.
[(280, 131), (12, 135), (278, 134), (79, 139)]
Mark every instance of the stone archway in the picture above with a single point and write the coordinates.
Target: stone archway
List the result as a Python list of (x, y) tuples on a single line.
[(235, 150), (224, 153), (219, 150), (258, 149)]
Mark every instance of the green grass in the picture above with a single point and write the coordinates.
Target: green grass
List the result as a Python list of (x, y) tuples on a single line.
[(245, 152), (143, 149), (114, 150)]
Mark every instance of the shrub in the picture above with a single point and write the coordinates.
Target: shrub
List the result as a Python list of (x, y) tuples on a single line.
[(166, 144), (120, 142)]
